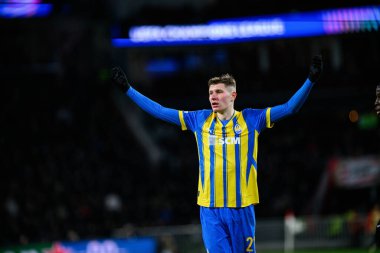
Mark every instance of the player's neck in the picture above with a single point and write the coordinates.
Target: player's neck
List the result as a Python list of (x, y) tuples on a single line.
[(227, 114)]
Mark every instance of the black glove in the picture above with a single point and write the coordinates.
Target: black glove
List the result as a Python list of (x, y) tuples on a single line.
[(120, 79), (316, 68)]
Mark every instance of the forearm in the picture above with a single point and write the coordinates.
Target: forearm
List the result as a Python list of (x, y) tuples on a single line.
[(153, 108), (294, 104)]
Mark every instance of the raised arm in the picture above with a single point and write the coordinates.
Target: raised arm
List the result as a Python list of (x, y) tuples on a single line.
[(298, 99), (156, 110)]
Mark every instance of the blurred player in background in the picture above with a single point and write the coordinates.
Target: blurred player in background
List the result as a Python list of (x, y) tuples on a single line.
[(377, 101), (227, 142), (373, 220)]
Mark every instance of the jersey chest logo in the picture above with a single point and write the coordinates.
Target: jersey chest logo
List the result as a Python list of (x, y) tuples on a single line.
[(237, 129)]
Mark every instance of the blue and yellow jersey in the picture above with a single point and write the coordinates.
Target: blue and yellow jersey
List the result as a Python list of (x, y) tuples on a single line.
[(227, 151), (227, 155)]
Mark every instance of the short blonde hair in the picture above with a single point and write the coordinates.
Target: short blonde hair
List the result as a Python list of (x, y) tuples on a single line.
[(227, 79)]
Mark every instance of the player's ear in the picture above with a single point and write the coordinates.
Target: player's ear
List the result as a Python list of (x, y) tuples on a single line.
[(233, 95)]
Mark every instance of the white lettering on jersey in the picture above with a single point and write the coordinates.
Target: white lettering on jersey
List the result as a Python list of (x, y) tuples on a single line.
[(213, 140)]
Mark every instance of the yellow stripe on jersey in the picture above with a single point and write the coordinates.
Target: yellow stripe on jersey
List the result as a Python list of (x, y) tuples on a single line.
[(269, 124), (252, 194), (253, 182), (243, 158), (200, 181), (255, 148), (218, 169), (231, 171), (183, 125), (204, 194)]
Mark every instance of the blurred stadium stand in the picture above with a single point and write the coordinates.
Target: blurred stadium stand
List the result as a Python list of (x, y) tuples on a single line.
[(72, 167)]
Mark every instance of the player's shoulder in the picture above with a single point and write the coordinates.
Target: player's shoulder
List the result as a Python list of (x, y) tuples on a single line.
[(253, 111), (204, 114), (204, 111), (198, 113)]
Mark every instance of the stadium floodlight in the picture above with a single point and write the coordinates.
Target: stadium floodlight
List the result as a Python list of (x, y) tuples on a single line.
[(25, 10)]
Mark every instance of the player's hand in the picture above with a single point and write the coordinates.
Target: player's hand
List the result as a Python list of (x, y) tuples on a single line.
[(316, 68), (120, 79)]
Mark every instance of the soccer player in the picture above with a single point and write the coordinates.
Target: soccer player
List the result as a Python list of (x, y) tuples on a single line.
[(227, 142), (377, 101)]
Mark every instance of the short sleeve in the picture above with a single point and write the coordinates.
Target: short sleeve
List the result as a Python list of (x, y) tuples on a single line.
[(188, 120), (259, 119), (192, 120)]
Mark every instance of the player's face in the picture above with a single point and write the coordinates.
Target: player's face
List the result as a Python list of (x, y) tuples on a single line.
[(377, 102), (221, 97)]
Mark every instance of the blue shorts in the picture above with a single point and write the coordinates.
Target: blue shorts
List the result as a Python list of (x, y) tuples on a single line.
[(228, 230)]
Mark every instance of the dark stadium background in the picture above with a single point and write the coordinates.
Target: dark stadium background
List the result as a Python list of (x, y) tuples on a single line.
[(66, 145)]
